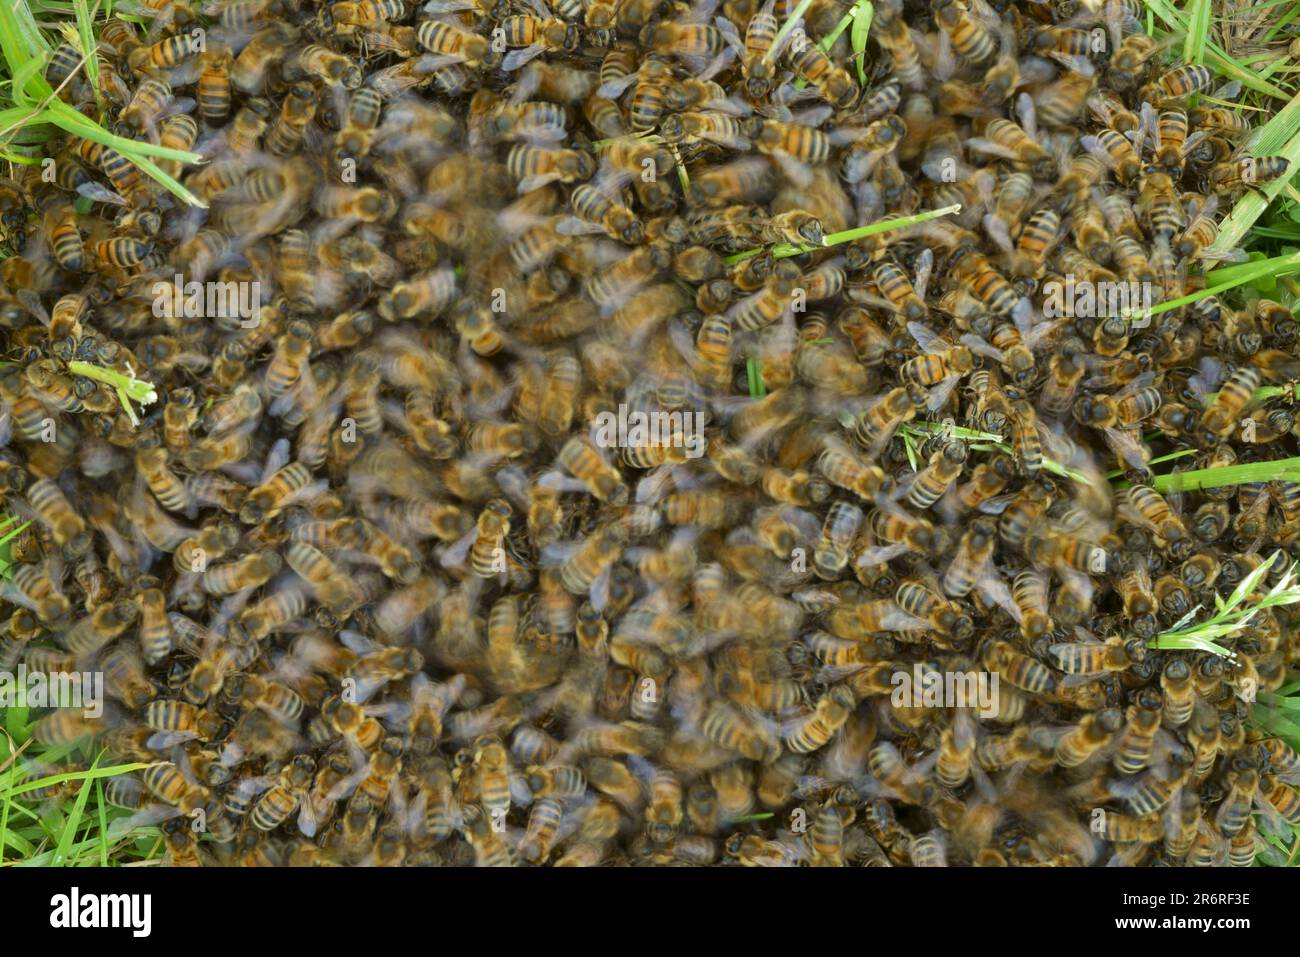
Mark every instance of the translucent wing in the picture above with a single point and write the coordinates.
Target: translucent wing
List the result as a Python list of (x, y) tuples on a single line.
[(926, 338), (924, 267), (517, 58)]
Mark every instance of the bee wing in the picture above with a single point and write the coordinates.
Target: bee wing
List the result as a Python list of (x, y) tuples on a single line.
[(600, 589), (455, 554), (945, 61), (1028, 115), (540, 9), (1100, 107), (1192, 141), (997, 231), (1229, 91), (612, 89), (1075, 64), (428, 64), (1272, 822), (360, 771), (879, 554), (813, 116), (1035, 71), (988, 148), (924, 268), (1207, 379), (981, 347), (517, 58), (307, 822), (654, 485), (940, 394), (1147, 133), (732, 106), (1140, 382), (166, 739), (729, 140), (356, 641), (730, 35), (276, 459), (572, 226), (559, 482), (926, 338), (100, 193), (435, 7), (994, 589), (530, 183), (717, 64), (798, 172), (1093, 146), (1033, 334)]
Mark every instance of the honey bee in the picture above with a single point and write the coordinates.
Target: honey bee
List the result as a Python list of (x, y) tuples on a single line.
[(833, 82), (586, 465), (1182, 82), (1247, 171), (875, 426), (973, 552), (840, 529), (933, 481), (66, 525), (1017, 669), (179, 721)]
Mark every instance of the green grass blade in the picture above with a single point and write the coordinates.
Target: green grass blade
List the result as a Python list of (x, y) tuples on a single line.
[(956, 431), (1215, 55), (66, 118), (754, 370), (86, 30), (863, 14), (1194, 44), (103, 823), (828, 41), (1231, 277), (74, 819), (785, 250), (795, 16), (1285, 470)]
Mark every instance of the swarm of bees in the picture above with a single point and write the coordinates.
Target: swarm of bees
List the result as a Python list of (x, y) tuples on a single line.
[(367, 587)]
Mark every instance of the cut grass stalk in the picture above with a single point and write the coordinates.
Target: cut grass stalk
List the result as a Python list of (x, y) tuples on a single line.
[(1230, 615), (957, 431), (25, 53), (1277, 470), (786, 250), (128, 388), (988, 442)]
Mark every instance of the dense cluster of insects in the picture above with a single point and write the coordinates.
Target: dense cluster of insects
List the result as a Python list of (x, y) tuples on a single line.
[(368, 587)]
